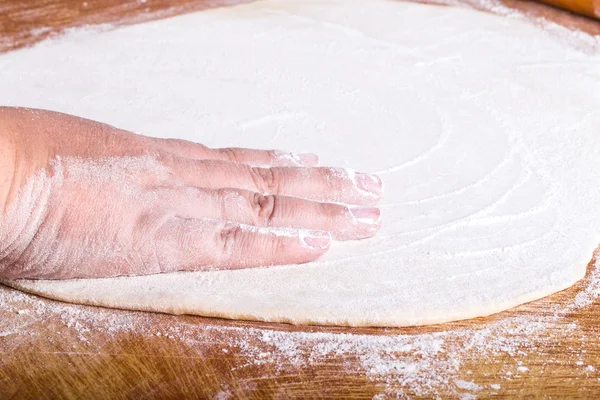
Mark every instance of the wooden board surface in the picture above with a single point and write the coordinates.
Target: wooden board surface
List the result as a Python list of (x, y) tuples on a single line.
[(24, 23), (549, 348), (590, 8)]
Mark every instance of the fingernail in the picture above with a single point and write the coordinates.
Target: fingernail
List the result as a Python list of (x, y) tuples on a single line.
[(306, 159), (315, 240), (369, 183), (366, 215), (367, 221)]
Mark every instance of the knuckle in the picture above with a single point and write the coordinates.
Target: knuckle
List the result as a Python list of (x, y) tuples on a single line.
[(267, 180), (229, 154), (264, 209), (228, 201), (333, 210), (230, 237), (333, 178), (149, 229), (329, 174), (166, 159), (225, 194), (273, 155)]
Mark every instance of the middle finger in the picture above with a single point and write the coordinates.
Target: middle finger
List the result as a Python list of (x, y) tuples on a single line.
[(319, 184)]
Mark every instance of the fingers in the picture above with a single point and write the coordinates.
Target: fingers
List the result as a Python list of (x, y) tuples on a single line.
[(258, 158), (319, 184), (267, 158), (251, 208), (194, 244)]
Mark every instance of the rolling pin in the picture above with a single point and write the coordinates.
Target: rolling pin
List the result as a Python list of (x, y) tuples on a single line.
[(590, 8)]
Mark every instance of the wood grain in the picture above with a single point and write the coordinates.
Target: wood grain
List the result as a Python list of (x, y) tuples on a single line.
[(52, 350), (591, 8), (570, 20), (23, 23)]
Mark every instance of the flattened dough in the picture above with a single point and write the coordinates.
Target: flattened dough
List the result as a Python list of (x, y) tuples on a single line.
[(484, 129)]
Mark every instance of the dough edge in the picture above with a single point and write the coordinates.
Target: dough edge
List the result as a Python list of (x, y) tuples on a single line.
[(392, 319)]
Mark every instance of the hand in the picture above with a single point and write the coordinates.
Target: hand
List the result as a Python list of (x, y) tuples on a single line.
[(84, 199)]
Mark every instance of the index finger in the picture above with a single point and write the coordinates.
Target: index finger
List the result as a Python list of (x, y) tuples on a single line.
[(252, 157)]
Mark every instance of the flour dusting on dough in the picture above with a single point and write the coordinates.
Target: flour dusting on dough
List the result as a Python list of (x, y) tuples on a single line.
[(483, 129)]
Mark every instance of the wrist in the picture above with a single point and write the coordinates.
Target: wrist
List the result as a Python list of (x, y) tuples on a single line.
[(8, 160), (23, 150)]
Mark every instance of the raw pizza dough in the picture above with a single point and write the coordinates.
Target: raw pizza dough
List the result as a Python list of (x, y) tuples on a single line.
[(484, 129)]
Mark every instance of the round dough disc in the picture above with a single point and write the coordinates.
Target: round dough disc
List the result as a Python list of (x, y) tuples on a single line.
[(484, 130)]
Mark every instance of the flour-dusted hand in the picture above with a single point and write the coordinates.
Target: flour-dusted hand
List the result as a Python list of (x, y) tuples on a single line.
[(84, 199)]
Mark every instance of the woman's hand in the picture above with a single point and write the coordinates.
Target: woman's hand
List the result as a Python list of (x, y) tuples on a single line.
[(84, 199)]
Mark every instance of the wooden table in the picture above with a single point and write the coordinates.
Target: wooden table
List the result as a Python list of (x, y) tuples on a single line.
[(548, 348)]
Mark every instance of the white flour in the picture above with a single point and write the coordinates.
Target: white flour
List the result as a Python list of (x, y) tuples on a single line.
[(418, 364), (581, 40)]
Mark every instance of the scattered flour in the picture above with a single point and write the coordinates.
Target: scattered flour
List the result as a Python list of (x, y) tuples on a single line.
[(419, 364), (467, 385), (579, 39)]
